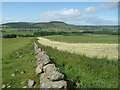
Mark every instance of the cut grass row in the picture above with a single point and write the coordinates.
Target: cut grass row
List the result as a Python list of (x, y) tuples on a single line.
[(84, 72), (18, 56), (88, 49), (85, 38)]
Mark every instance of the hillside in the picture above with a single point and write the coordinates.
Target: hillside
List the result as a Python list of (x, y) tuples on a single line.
[(34, 25), (55, 25), (28, 28)]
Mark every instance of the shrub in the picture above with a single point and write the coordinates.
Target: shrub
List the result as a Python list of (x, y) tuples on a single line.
[(10, 36)]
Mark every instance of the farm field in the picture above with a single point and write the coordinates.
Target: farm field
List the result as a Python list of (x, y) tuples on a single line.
[(18, 56), (19, 32), (85, 38), (80, 71), (84, 72), (86, 46)]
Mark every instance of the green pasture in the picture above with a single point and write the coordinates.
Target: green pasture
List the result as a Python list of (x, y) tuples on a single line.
[(85, 38), (19, 32), (18, 56)]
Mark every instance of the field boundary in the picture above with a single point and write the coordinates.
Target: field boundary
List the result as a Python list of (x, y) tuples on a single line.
[(50, 76)]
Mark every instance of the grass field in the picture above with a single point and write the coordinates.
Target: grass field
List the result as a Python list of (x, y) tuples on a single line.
[(84, 72), (89, 49), (80, 71), (18, 56), (19, 32), (85, 38)]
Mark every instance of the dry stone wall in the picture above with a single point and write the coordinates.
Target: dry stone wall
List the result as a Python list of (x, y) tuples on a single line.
[(50, 76)]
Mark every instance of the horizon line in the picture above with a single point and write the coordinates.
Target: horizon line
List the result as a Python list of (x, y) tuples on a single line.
[(66, 23)]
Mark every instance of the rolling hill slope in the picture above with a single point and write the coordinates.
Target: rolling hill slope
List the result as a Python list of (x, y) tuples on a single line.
[(57, 25)]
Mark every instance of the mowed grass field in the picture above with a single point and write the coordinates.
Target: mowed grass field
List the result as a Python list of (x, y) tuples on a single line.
[(18, 56), (85, 38), (92, 46), (19, 32)]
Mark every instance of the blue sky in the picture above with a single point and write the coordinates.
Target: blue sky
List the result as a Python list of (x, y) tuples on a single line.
[(79, 13)]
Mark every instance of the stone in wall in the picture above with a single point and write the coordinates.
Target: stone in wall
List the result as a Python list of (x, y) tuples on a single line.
[(50, 67), (47, 83), (52, 72), (39, 50), (55, 75), (38, 69), (45, 59), (42, 58), (59, 84)]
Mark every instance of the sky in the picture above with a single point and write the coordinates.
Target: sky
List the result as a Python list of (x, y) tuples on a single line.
[(78, 13)]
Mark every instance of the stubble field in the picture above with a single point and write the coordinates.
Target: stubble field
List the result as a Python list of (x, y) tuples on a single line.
[(92, 46)]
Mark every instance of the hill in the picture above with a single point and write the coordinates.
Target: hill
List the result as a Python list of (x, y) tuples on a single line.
[(33, 25), (54, 26)]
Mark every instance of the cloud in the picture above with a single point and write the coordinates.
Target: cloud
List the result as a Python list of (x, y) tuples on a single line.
[(65, 14), (91, 10), (109, 5), (5, 20), (75, 16), (94, 20)]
